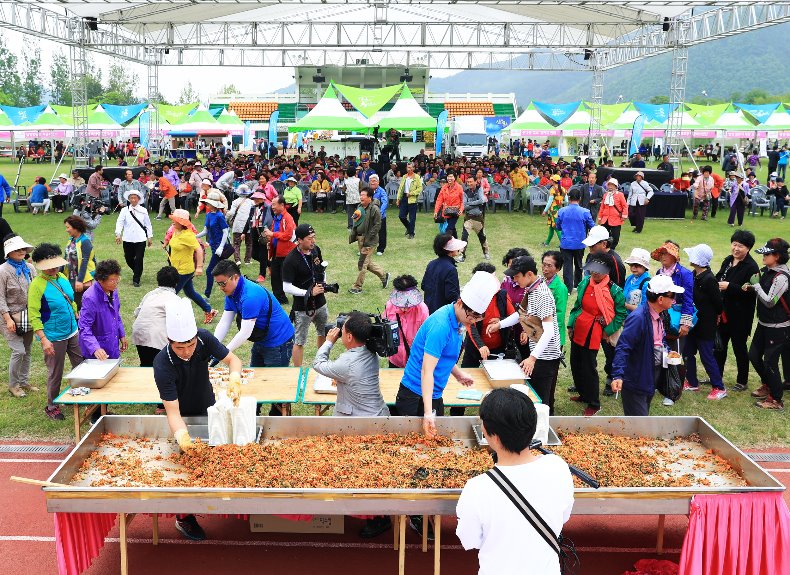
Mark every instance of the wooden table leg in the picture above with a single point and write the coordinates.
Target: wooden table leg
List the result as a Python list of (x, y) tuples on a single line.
[(124, 556), (287, 409), (155, 519), (660, 538), (76, 422), (424, 533), (401, 549), (104, 409), (317, 409), (437, 543), (395, 531)]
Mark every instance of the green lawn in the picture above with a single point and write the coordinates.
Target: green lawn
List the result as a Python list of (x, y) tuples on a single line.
[(735, 416)]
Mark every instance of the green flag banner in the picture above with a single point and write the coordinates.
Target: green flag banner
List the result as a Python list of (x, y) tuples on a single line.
[(368, 102)]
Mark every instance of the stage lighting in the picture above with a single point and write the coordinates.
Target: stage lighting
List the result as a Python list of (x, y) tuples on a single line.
[(319, 78), (665, 25), (587, 53), (406, 77)]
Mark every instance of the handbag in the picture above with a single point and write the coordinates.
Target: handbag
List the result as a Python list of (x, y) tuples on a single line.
[(451, 212), (22, 322), (674, 314), (227, 251), (562, 546)]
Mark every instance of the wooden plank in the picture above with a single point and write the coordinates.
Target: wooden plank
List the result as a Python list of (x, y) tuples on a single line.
[(389, 380), (122, 536), (660, 537), (136, 385), (424, 533), (155, 528), (401, 545), (437, 544)]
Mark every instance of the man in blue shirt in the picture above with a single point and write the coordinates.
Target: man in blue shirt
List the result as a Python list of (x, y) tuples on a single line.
[(5, 192), (574, 222), (262, 319), (366, 170), (436, 348), (380, 194)]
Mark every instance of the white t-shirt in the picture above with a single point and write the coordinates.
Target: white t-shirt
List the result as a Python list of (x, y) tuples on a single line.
[(489, 521)]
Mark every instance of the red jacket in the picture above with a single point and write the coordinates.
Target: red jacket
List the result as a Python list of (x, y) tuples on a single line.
[(284, 237)]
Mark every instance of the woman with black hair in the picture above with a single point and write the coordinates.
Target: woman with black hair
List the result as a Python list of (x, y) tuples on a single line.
[(773, 321), (440, 282), (735, 322), (102, 335)]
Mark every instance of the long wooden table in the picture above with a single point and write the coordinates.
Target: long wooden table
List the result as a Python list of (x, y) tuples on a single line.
[(389, 380), (136, 386)]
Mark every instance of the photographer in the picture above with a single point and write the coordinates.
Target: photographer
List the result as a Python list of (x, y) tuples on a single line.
[(356, 371), (303, 278), (91, 211)]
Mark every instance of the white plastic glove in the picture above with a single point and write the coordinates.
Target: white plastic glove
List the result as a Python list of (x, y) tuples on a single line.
[(183, 439), (429, 424)]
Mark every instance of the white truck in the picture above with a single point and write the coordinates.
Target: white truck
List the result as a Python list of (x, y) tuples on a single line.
[(468, 136)]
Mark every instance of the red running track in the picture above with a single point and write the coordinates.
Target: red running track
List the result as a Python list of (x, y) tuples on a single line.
[(607, 545)]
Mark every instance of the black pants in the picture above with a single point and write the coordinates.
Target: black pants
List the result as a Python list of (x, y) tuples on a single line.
[(409, 403), (277, 280), (636, 214), (714, 206), (407, 215), (58, 201), (544, 380), (584, 369), (636, 403), (614, 233), (260, 253), (738, 336), (736, 209), (134, 254), (451, 224), (764, 353), (571, 267), (608, 353), (146, 355), (293, 210), (382, 236), (349, 212)]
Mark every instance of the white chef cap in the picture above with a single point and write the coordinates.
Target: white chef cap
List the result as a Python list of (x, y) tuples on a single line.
[(180, 320), (479, 292)]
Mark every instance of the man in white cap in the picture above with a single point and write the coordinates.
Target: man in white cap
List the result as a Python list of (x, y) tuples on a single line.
[(538, 303), (639, 355), (133, 228), (639, 195), (181, 375)]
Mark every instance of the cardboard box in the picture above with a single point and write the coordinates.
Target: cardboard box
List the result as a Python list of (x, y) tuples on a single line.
[(318, 524)]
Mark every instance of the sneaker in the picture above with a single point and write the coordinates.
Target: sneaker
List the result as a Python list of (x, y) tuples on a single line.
[(54, 413), (740, 387), (260, 279), (375, 527), (770, 403), (607, 391), (135, 284), (411, 237), (667, 402), (209, 316), (158, 217), (717, 394), (379, 253), (238, 263), (590, 411), (688, 387), (354, 291), (761, 392), (17, 392), (486, 256), (189, 528), (385, 282), (29, 388), (572, 389), (415, 522)]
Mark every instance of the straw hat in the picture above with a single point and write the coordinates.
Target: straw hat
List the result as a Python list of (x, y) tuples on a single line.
[(51, 263), (666, 248), (638, 257), (15, 243), (180, 216)]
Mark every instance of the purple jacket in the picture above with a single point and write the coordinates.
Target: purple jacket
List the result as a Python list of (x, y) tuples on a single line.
[(100, 323)]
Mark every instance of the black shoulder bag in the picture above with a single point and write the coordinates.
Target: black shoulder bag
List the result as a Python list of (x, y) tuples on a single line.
[(406, 345), (563, 547), (258, 333)]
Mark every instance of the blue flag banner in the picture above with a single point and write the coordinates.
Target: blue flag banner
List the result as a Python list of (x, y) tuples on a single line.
[(145, 135), (636, 134), (557, 113), (495, 124), (414, 136), (299, 140), (22, 115), (655, 112), (760, 112), (123, 114), (246, 143), (441, 122), (273, 126)]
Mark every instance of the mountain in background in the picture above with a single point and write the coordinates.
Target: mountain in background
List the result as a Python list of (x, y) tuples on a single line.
[(744, 62)]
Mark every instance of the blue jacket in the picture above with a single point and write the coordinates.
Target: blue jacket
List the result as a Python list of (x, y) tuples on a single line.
[(633, 356), (684, 278), (574, 222), (381, 195), (5, 189), (440, 283)]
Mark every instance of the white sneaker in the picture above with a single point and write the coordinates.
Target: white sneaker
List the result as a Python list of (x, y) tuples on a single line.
[(667, 402), (379, 253)]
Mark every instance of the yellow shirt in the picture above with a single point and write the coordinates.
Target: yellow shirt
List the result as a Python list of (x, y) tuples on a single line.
[(183, 245), (518, 178)]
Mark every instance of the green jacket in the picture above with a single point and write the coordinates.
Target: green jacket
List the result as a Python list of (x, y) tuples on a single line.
[(414, 191), (619, 306), (560, 293), (368, 225)]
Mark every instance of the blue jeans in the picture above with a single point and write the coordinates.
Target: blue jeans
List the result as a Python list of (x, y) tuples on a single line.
[(212, 263), (407, 214), (185, 283), (277, 356), (705, 348), (781, 170)]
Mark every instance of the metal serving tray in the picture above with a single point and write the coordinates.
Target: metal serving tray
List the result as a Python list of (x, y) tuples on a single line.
[(630, 500), (93, 373)]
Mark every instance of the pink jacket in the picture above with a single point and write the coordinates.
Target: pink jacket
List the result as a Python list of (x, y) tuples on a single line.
[(410, 319)]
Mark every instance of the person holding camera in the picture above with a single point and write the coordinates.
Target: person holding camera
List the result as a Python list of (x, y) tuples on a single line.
[(355, 371), (303, 278)]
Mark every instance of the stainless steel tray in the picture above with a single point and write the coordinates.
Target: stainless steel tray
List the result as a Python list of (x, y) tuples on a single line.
[(93, 373), (481, 440), (630, 500)]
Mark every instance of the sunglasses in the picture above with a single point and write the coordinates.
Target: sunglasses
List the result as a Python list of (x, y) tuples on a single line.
[(669, 295), (223, 284)]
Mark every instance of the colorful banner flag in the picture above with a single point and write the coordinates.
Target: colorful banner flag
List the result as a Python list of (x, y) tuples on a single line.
[(441, 122), (655, 112), (636, 134), (369, 101), (760, 112), (145, 135), (557, 113), (123, 114), (273, 126), (495, 124), (22, 115)]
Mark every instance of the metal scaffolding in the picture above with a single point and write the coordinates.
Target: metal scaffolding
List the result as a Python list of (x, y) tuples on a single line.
[(154, 136), (78, 61), (678, 36), (596, 101)]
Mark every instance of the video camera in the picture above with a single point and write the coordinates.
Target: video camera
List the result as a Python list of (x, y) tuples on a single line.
[(87, 203), (384, 338)]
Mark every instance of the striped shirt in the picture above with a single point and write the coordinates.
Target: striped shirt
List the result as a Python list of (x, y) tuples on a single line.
[(540, 303)]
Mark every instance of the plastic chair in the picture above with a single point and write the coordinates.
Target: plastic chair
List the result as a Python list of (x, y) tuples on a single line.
[(431, 191), (20, 198), (501, 196), (667, 189), (538, 197), (759, 200), (278, 186), (392, 190), (306, 195)]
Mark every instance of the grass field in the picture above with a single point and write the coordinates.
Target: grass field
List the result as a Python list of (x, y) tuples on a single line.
[(735, 416)]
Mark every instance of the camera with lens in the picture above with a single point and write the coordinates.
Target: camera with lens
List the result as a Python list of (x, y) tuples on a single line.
[(384, 338), (89, 204), (329, 288)]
